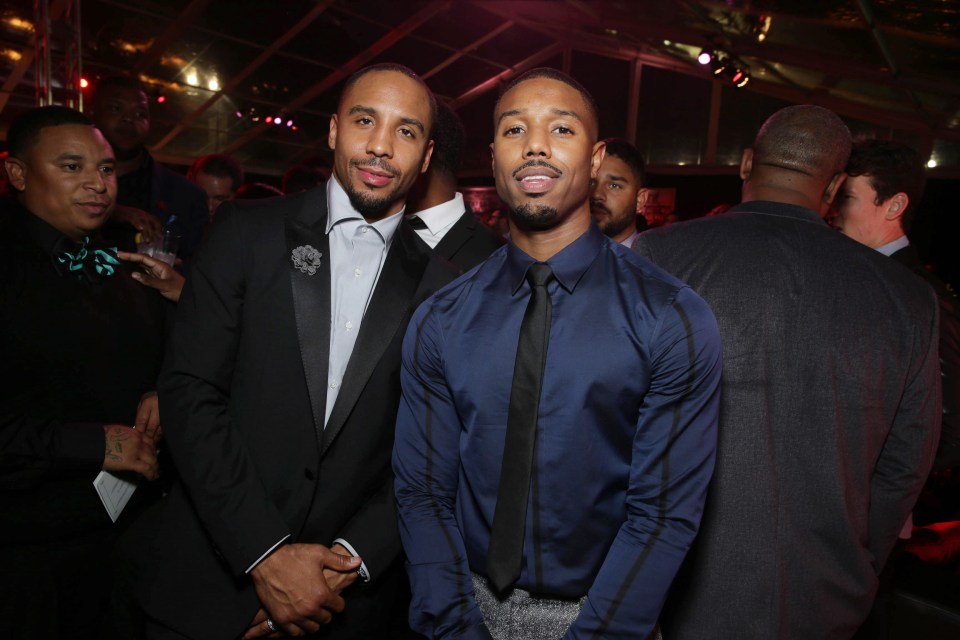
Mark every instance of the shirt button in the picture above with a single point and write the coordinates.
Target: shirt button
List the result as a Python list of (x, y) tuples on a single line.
[(333, 384), (348, 325), (363, 229), (357, 272)]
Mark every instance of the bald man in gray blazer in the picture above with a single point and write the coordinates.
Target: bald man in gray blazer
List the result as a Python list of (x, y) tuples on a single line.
[(830, 398)]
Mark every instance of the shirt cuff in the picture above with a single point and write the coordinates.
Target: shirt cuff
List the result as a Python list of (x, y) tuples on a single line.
[(268, 552), (362, 571)]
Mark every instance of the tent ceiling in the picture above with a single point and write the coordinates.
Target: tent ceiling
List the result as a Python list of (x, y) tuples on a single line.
[(887, 64)]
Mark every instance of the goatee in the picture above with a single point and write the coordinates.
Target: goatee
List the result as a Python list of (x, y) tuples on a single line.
[(369, 206), (535, 217)]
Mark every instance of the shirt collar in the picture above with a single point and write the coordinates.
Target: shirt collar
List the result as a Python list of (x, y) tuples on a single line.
[(47, 237), (340, 210), (442, 215), (893, 246), (569, 264), (629, 240)]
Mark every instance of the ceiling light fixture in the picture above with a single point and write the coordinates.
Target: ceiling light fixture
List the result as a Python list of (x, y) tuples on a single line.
[(761, 27)]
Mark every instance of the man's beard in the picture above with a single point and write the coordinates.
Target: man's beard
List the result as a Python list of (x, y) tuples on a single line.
[(611, 226), (371, 207), (535, 217)]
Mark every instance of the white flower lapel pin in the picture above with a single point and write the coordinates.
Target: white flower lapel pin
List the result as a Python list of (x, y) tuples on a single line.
[(306, 259)]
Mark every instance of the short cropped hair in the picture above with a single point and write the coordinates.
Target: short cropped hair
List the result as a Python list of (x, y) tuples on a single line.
[(892, 168), (399, 68), (117, 82), (218, 165), (449, 139), (559, 76), (25, 129), (804, 138), (622, 149)]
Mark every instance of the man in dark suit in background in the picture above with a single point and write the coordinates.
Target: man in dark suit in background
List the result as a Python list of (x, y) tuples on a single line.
[(281, 403), (436, 209), (618, 192), (876, 207), (151, 195), (830, 398)]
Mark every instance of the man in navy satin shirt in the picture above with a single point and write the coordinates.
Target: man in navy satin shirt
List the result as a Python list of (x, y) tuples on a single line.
[(626, 425)]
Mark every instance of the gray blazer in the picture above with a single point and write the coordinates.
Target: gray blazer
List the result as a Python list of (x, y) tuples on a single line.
[(830, 403)]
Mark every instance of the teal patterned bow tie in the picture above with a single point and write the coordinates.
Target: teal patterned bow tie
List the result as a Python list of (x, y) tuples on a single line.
[(88, 263)]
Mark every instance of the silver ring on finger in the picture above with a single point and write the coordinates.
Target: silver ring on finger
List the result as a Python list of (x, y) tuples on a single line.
[(271, 625)]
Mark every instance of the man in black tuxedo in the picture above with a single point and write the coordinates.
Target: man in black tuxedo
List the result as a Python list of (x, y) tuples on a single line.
[(81, 344), (436, 209), (281, 403)]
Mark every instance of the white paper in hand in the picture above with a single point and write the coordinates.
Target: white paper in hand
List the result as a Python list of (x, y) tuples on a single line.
[(114, 492)]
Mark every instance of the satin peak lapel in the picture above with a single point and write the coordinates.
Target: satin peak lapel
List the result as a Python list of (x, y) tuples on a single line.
[(308, 253)]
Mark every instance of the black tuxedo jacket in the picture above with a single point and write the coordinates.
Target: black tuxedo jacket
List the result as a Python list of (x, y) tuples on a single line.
[(243, 395), (467, 243)]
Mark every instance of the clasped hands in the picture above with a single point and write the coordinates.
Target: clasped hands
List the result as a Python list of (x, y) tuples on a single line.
[(299, 587)]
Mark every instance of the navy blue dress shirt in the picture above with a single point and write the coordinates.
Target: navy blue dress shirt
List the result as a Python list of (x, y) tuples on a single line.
[(626, 436)]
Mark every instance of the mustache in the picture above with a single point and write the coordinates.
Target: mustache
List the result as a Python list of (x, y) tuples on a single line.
[(596, 205), (536, 163), (376, 163)]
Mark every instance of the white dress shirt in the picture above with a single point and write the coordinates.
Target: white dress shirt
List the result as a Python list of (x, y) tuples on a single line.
[(357, 252), (439, 220)]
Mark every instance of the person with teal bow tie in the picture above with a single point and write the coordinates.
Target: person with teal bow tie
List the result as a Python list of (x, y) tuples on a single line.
[(81, 343)]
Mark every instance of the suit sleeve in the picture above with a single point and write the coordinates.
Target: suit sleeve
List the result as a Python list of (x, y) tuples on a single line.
[(372, 531), (673, 457), (211, 456), (31, 447), (908, 452), (426, 461)]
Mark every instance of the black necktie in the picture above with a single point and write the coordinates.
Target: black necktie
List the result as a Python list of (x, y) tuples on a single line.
[(505, 553), (417, 222)]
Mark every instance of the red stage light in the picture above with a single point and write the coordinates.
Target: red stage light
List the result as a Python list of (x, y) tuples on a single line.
[(161, 99), (84, 83)]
